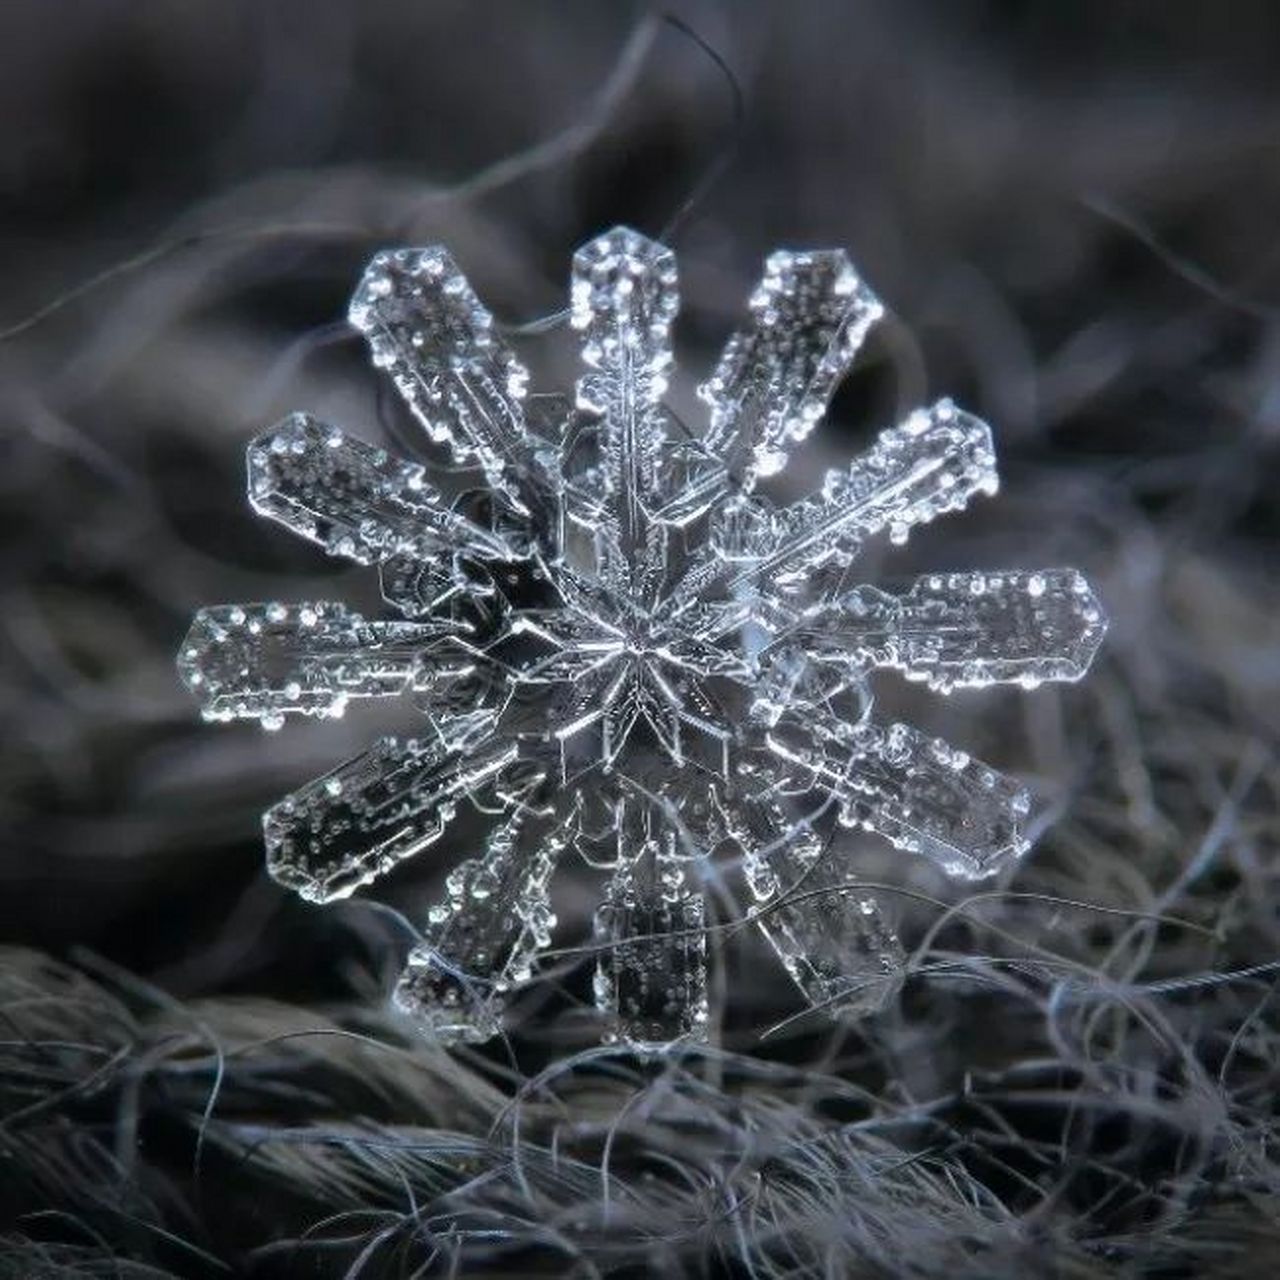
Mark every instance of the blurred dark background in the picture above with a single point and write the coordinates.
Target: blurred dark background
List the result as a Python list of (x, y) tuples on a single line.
[(1072, 212)]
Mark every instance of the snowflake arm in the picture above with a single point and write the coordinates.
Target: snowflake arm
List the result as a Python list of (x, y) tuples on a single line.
[(832, 938), (965, 630), (923, 795), (932, 463), (482, 939), (351, 826), (810, 314), (428, 329), (263, 661), (624, 300), (355, 500), (651, 976)]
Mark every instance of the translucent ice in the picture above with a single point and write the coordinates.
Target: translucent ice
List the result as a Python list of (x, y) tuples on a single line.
[(622, 647)]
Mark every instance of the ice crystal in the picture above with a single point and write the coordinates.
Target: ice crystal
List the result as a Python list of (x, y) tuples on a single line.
[(623, 648)]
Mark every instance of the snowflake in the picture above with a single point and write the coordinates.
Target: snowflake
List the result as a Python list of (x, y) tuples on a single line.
[(621, 647)]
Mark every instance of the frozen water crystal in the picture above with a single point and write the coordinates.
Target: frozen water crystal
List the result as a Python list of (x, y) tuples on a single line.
[(651, 976), (622, 648)]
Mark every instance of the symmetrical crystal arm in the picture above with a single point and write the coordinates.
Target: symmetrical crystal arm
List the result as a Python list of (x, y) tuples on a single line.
[(481, 940), (832, 937), (354, 824), (264, 661), (428, 329), (651, 979), (966, 629), (809, 315), (625, 296), (624, 299), (354, 499), (932, 463), (919, 793)]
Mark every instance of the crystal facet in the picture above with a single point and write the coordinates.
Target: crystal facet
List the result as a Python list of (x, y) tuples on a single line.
[(481, 941), (651, 976), (622, 647)]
